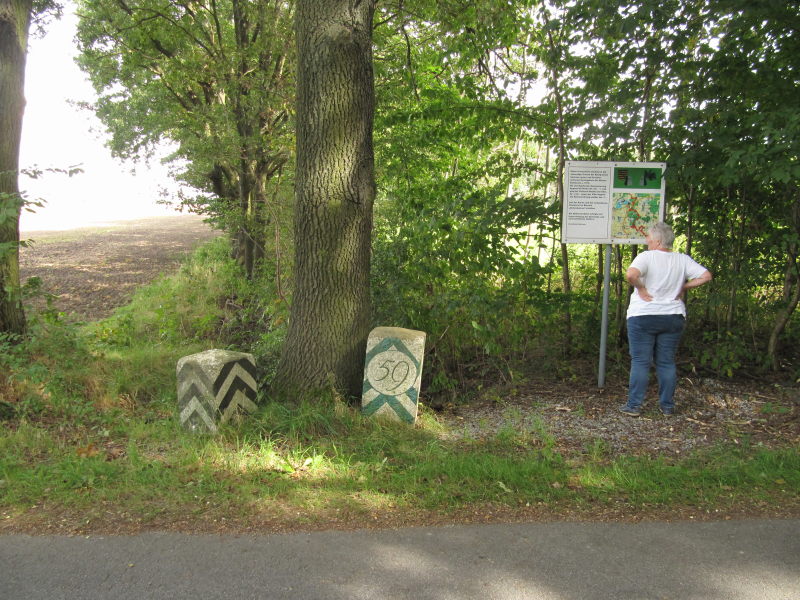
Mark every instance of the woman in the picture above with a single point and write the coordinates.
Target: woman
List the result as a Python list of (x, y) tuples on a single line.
[(657, 315)]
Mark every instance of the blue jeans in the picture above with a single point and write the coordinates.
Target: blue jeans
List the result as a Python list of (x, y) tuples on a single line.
[(654, 339)]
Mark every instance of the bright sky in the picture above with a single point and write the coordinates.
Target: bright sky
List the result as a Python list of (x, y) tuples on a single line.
[(56, 134)]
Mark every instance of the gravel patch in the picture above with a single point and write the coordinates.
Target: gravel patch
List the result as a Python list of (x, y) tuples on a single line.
[(584, 420)]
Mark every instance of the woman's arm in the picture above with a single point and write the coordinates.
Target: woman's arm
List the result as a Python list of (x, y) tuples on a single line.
[(696, 282), (633, 275)]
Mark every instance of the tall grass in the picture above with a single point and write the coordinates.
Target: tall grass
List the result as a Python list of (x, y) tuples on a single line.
[(93, 437)]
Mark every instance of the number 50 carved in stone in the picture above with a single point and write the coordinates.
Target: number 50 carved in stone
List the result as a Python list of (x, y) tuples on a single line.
[(392, 373)]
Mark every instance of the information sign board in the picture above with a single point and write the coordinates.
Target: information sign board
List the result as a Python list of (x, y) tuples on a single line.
[(611, 202)]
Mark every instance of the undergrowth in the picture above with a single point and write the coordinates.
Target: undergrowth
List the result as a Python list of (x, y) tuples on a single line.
[(90, 429)]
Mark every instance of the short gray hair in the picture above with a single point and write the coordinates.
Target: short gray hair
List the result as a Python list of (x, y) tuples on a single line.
[(662, 232)]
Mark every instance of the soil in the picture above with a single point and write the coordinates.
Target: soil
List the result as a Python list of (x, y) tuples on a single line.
[(92, 271), (580, 419)]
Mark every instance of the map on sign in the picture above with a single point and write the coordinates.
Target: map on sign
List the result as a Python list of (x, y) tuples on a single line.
[(632, 214), (611, 202)]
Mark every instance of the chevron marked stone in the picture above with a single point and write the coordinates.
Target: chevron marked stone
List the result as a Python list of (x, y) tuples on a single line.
[(213, 387), (234, 378), (195, 417), (393, 373)]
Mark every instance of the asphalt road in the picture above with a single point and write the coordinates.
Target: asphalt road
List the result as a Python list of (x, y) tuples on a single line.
[(758, 559)]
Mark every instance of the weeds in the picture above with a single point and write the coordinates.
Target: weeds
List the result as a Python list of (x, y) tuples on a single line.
[(91, 428)]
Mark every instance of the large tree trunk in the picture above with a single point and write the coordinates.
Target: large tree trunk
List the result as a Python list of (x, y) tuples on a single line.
[(335, 189), (15, 18)]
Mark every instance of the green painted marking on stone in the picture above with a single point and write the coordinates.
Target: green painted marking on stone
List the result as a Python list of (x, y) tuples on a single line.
[(395, 404), (382, 399), (386, 344)]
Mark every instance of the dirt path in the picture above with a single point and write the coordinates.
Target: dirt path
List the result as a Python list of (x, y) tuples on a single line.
[(94, 270)]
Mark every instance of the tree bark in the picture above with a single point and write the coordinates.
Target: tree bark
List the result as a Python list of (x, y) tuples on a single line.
[(334, 194), (784, 314), (15, 19), (791, 292), (562, 157)]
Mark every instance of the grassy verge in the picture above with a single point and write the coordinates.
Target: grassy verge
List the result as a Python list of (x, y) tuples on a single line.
[(90, 442), (133, 471)]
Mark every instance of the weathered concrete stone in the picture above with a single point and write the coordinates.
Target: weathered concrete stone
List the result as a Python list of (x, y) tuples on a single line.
[(213, 386), (393, 373)]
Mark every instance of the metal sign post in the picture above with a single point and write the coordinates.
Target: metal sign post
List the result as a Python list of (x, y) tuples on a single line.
[(601, 371)]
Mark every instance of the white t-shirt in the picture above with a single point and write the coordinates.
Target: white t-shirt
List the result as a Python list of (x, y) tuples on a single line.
[(663, 274)]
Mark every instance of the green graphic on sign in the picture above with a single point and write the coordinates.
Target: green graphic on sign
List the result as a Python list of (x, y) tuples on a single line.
[(390, 377), (637, 177)]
